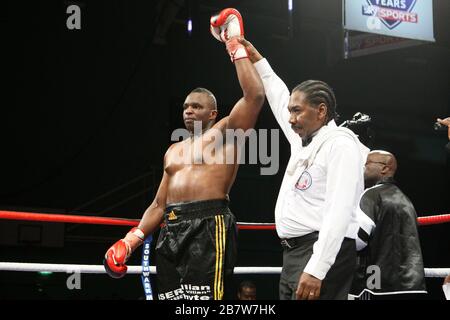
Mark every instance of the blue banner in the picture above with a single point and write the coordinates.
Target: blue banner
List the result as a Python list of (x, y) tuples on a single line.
[(145, 277)]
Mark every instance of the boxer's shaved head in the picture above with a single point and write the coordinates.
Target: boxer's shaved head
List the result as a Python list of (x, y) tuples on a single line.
[(209, 94)]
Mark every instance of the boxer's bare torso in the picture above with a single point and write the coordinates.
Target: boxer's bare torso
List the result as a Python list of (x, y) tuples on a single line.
[(204, 172)]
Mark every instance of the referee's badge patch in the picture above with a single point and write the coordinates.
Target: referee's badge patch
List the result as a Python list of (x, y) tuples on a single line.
[(304, 182)]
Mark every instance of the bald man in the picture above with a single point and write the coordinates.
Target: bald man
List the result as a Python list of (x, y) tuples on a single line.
[(390, 264)]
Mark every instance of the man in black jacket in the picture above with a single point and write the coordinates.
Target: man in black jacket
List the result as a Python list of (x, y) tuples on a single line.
[(390, 264)]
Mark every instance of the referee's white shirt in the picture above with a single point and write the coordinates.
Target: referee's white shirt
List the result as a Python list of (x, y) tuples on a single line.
[(324, 196)]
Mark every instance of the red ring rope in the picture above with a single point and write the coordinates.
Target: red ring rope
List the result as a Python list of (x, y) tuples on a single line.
[(428, 220), (32, 216)]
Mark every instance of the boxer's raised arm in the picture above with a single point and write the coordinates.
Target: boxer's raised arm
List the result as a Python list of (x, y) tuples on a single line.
[(227, 27)]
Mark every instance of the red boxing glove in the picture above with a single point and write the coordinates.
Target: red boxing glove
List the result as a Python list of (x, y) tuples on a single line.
[(118, 254), (226, 27), (227, 24)]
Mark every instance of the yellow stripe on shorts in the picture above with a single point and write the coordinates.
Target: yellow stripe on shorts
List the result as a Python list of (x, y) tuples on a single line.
[(220, 249)]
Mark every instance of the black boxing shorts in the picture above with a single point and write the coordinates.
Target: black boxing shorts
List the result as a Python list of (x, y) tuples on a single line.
[(196, 251)]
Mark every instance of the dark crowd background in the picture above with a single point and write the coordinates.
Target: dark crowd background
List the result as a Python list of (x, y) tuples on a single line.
[(87, 116)]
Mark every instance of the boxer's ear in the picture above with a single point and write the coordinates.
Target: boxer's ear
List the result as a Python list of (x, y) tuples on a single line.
[(213, 114)]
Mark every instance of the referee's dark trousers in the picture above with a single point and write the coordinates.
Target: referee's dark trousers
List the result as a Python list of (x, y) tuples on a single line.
[(296, 254)]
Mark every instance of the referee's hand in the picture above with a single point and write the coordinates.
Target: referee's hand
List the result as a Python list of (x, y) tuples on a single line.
[(308, 287)]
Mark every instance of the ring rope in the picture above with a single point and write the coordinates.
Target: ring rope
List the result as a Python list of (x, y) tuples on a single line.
[(49, 217), (84, 268)]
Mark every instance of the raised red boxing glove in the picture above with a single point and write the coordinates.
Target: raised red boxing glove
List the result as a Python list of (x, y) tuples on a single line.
[(226, 27), (227, 24), (119, 253)]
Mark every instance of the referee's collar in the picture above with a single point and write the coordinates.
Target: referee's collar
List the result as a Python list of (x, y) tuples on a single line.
[(307, 141)]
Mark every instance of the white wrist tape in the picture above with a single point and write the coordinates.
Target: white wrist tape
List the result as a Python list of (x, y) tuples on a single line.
[(139, 233)]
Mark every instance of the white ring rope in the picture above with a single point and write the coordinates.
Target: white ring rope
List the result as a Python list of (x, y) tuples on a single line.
[(85, 268), (255, 223)]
